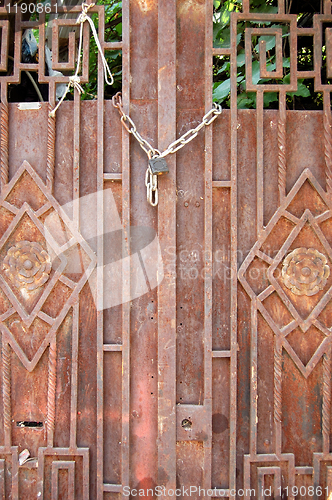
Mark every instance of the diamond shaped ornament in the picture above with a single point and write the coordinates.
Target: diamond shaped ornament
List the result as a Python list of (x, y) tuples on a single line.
[(34, 263), (297, 267)]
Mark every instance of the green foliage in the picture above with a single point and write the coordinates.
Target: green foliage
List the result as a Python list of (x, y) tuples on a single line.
[(222, 67), (113, 33)]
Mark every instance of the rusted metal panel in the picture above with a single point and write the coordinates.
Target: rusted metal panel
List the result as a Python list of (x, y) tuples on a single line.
[(143, 109), (167, 293)]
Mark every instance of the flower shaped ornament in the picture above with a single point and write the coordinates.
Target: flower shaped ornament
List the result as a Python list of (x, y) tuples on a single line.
[(27, 265), (305, 271)]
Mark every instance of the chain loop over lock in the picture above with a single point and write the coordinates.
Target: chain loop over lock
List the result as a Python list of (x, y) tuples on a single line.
[(151, 183), (151, 179)]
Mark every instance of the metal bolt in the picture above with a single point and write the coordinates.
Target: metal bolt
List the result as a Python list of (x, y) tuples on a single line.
[(186, 204), (197, 204)]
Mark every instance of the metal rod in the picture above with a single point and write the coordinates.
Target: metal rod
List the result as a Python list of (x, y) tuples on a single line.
[(260, 161), (6, 392), (234, 345), (282, 147), (208, 251), (125, 477), (167, 237)]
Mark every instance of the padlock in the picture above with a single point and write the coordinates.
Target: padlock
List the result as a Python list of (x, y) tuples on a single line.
[(158, 166)]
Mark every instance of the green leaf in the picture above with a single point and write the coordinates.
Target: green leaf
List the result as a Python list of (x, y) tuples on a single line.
[(256, 73), (269, 40), (302, 90), (225, 67), (221, 90), (118, 28), (223, 38), (269, 97), (244, 101), (286, 62), (271, 67), (241, 59), (268, 9)]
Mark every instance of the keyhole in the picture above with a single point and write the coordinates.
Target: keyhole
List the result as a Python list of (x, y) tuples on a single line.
[(186, 424)]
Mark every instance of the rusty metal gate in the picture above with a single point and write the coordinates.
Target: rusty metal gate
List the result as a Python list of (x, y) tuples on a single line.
[(218, 378)]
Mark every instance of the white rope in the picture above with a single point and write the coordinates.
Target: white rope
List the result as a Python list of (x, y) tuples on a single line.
[(74, 81), (81, 19)]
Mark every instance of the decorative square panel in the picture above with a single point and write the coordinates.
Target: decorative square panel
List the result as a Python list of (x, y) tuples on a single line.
[(63, 471), (322, 474), (259, 468), (9, 472), (287, 24)]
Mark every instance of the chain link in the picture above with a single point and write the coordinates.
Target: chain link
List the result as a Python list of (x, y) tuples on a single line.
[(151, 181), (192, 133)]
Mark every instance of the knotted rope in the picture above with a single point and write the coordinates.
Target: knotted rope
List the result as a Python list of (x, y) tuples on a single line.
[(74, 81)]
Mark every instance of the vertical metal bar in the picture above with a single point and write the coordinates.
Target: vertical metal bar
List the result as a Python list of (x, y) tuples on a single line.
[(246, 6), (208, 290), (253, 380), (281, 6), (50, 162), (4, 131), (6, 392), (51, 121), (327, 6), (328, 140), (76, 159), (74, 368), (71, 480), (126, 263), (277, 396), (282, 172), (2, 479), (326, 413), (100, 273), (76, 220), (51, 392), (233, 363), (54, 483), (328, 46), (260, 153), (167, 238)]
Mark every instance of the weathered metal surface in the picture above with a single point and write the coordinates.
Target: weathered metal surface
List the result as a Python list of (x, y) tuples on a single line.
[(221, 377)]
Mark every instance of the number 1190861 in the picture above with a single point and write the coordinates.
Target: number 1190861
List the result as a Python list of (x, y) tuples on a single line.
[(32, 8), (304, 491)]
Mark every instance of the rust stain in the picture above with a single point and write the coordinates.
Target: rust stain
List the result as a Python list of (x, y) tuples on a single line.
[(192, 5), (146, 5)]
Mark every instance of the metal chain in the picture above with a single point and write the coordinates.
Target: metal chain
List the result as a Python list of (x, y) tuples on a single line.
[(151, 181)]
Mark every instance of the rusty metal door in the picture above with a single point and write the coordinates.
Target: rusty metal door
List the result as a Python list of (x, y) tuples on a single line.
[(213, 377)]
